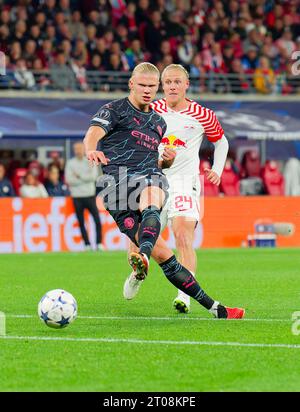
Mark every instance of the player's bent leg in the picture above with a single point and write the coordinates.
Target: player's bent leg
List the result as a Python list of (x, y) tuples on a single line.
[(151, 201), (183, 228), (132, 284), (183, 279)]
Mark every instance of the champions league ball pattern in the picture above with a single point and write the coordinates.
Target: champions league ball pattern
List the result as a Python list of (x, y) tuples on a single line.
[(57, 309)]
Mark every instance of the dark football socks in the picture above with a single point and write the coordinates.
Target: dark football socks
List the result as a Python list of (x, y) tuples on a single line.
[(180, 277), (149, 229)]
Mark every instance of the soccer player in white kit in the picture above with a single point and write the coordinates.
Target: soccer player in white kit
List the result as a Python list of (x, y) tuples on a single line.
[(187, 124)]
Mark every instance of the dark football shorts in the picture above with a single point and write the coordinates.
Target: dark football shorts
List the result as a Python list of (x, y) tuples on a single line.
[(121, 198)]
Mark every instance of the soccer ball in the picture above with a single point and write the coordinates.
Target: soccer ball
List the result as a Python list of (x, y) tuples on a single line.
[(57, 308)]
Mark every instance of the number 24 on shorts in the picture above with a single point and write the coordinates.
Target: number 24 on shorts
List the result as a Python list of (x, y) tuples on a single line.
[(183, 203)]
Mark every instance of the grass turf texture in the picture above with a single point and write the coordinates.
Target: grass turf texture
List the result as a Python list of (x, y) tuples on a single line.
[(264, 281)]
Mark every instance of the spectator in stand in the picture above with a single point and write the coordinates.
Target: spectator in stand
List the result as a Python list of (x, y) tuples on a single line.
[(213, 59), (48, 8), (41, 20), (51, 34), (250, 60), (108, 38), (5, 17), (270, 50), (32, 188), (20, 32), (53, 184), (174, 27), (116, 49), (40, 74), (129, 20), (96, 63), (224, 30), (278, 29), (134, 54), (186, 51), (116, 64), (192, 29), (64, 7), (80, 52), (80, 74), (65, 47), (142, 14), (197, 70), (29, 53), (264, 77), (35, 35), (255, 38), (46, 54), (121, 36), (103, 52), (90, 38), (4, 38), (286, 42), (236, 43), (58, 162), (164, 50), (241, 28), (6, 189), (23, 76), (228, 56), (238, 81), (155, 32), (61, 75), (15, 52)]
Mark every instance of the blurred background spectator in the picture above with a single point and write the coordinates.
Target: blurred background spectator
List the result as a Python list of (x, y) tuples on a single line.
[(32, 188), (6, 189), (53, 185)]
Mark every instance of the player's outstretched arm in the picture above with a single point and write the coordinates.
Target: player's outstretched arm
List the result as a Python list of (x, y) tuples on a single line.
[(167, 158), (91, 139)]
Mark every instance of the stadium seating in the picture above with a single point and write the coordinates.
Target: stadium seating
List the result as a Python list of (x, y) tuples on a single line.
[(230, 184), (209, 188), (273, 179), (17, 179)]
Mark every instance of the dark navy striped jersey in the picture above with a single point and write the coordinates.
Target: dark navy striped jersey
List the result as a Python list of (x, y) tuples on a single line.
[(132, 137)]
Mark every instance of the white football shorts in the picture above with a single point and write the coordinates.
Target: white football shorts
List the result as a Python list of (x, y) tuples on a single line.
[(183, 200)]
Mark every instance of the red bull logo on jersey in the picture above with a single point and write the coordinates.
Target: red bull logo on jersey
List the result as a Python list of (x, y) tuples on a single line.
[(173, 142)]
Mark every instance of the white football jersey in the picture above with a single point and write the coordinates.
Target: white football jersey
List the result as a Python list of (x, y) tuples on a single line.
[(185, 132)]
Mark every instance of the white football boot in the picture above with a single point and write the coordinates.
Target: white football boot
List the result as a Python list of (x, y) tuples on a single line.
[(131, 286), (182, 303)]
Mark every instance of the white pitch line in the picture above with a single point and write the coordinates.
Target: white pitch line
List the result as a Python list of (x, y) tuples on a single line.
[(157, 342), (158, 318)]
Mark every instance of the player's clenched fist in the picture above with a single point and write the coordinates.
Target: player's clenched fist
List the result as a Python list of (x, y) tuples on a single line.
[(212, 176), (96, 157)]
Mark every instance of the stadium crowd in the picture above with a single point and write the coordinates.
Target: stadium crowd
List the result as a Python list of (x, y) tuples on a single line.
[(64, 40), (28, 177)]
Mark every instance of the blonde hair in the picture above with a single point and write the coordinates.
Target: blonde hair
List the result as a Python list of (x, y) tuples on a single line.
[(175, 67), (145, 68)]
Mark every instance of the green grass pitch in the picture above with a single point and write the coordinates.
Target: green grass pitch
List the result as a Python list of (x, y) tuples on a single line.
[(142, 345)]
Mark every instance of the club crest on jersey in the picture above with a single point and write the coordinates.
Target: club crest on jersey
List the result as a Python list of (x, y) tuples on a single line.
[(173, 142)]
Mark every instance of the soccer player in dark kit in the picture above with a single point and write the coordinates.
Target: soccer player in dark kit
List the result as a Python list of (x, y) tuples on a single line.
[(123, 137)]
